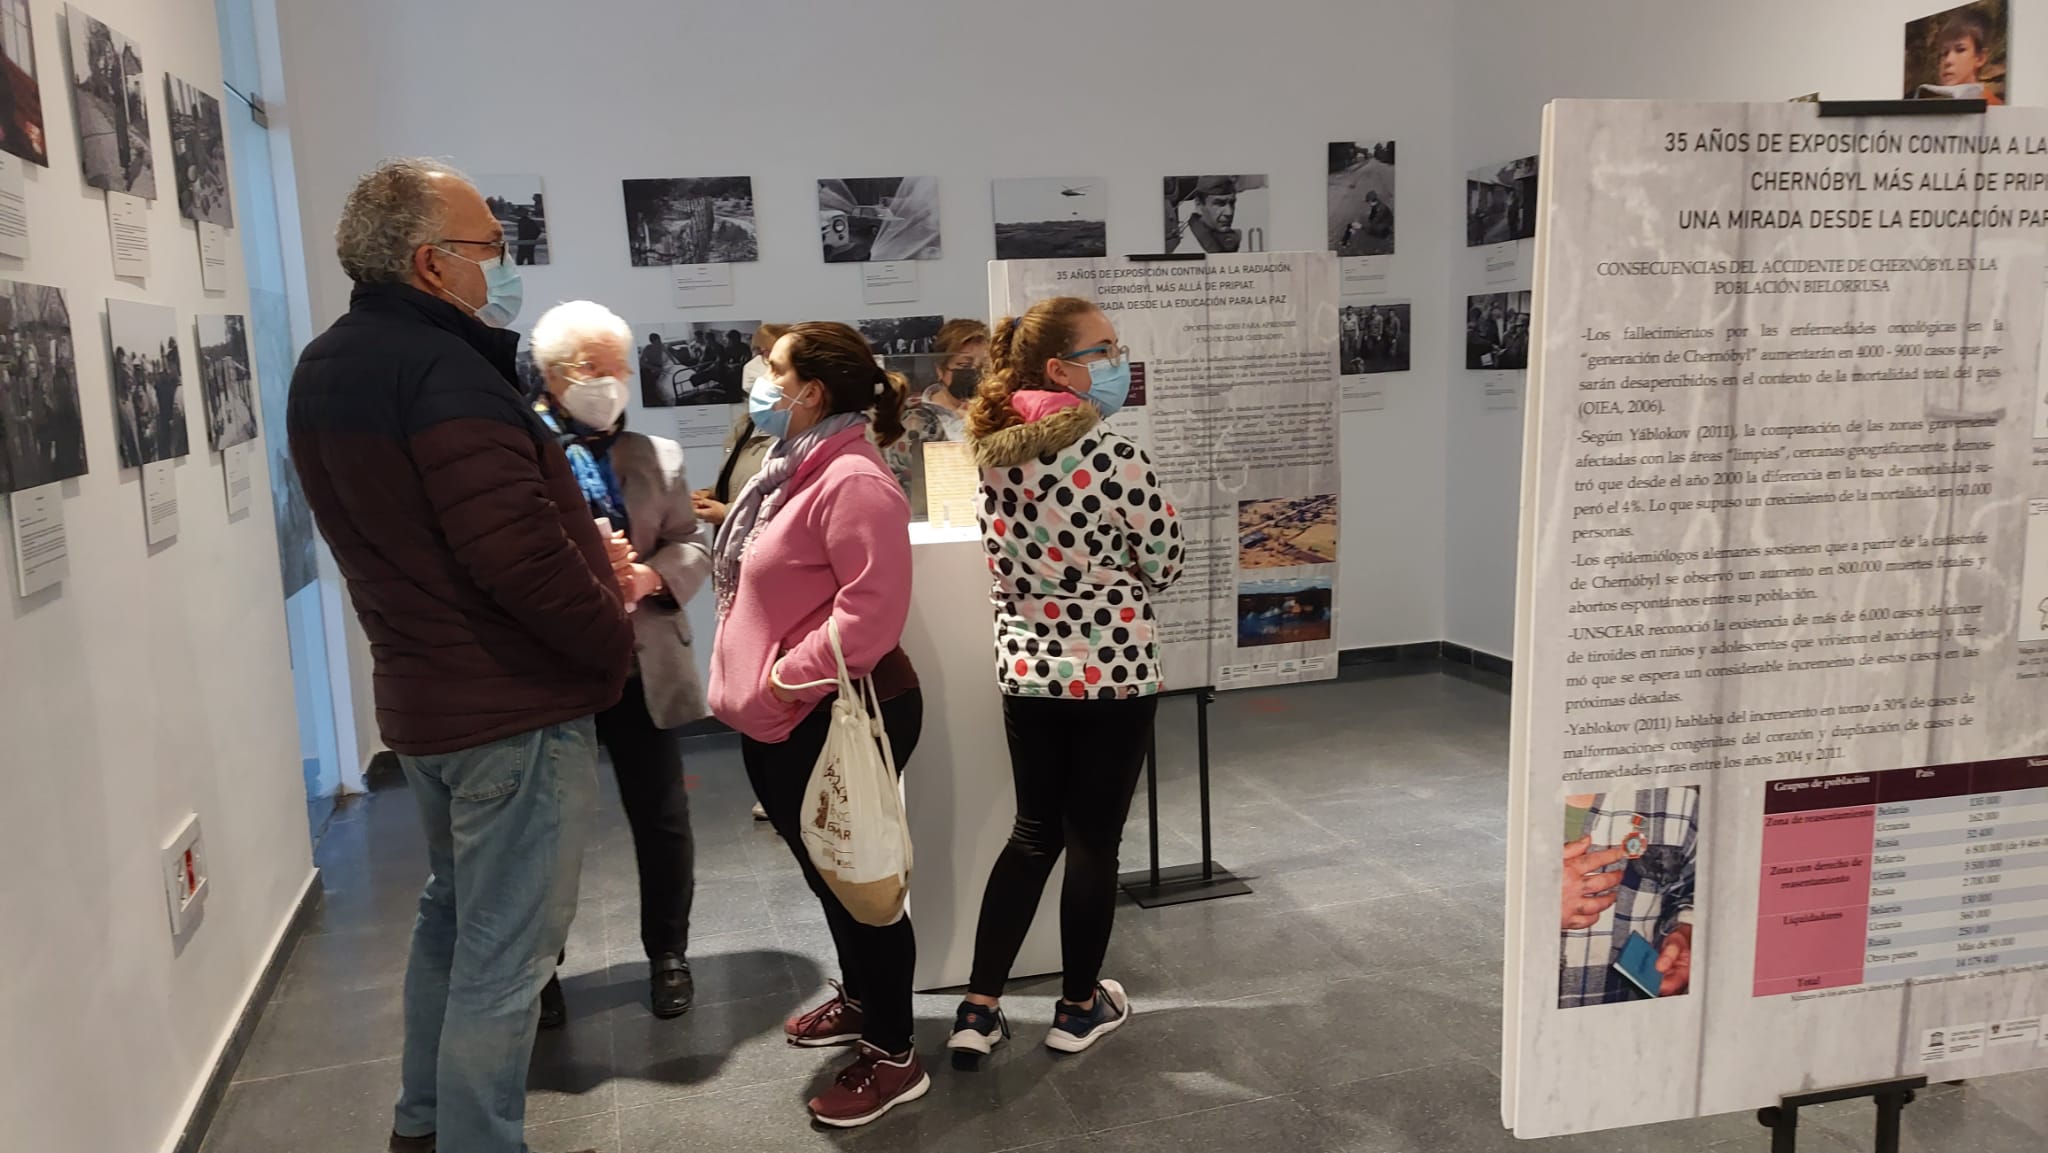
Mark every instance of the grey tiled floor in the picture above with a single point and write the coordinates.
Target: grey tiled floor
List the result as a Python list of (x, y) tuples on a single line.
[(1351, 1003)]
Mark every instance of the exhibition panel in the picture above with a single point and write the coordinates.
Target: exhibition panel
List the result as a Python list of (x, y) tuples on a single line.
[(1778, 724), (1234, 396)]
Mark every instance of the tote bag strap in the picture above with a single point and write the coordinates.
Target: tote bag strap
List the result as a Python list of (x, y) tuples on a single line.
[(845, 681)]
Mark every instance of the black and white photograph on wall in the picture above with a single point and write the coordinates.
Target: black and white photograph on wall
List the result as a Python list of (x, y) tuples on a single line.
[(1959, 54), (691, 220), (901, 335), (1497, 331), (199, 154), (1216, 213), (1500, 203), (42, 435), (685, 362), (1050, 217), (1362, 197), (21, 97), (113, 109), (879, 218), (149, 405), (520, 209), (907, 346), (226, 381), (1373, 338)]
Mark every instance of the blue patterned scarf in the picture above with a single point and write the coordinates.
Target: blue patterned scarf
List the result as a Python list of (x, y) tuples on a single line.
[(590, 458)]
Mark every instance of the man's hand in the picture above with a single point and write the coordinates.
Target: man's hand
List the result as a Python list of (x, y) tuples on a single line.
[(1674, 960), (709, 511), (1587, 891)]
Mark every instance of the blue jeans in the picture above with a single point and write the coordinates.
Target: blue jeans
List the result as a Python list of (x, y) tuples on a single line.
[(505, 827)]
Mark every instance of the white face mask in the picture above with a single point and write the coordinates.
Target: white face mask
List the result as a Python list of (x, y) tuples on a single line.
[(598, 402), (755, 368)]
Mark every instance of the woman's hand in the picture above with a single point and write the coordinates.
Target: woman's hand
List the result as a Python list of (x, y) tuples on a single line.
[(708, 510), (775, 684), (637, 582), (619, 549)]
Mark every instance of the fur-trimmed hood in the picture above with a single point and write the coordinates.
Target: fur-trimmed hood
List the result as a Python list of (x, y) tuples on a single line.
[(1021, 442)]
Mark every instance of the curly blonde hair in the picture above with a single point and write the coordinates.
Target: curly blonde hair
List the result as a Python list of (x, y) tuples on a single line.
[(1017, 351)]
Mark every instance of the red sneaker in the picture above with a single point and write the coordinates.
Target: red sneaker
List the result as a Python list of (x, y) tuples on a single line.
[(836, 1022), (874, 1084)]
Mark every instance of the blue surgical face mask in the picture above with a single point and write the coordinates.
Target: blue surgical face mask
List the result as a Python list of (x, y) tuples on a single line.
[(762, 397), (1109, 385), (503, 292)]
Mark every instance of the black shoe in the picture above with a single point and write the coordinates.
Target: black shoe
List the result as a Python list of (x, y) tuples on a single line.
[(672, 985), (554, 1011), (412, 1144)]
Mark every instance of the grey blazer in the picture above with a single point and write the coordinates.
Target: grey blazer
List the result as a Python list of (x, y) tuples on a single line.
[(668, 538)]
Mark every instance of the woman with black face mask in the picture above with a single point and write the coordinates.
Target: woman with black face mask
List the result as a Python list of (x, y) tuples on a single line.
[(960, 356)]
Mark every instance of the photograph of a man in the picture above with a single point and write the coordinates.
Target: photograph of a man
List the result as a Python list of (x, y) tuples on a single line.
[(1215, 213), (1629, 872)]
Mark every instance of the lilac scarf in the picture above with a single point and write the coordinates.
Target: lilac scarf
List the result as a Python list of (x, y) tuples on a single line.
[(758, 503)]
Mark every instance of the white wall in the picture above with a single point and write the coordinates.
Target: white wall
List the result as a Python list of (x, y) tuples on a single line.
[(788, 92), (1515, 56), (152, 684)]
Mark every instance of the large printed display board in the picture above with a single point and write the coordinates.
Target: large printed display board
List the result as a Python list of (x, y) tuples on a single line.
[(1780, 738), (1234, 396)]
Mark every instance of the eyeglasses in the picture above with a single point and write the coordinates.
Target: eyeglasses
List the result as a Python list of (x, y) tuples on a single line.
[(1115, 354), (580, 369), (499, 247)]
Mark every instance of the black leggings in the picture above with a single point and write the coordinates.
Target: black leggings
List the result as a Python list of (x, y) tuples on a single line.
[(1075, 764), (649, 767), (875, 961)]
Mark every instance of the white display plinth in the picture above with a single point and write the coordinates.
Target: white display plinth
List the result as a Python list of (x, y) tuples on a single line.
[(957, 784)]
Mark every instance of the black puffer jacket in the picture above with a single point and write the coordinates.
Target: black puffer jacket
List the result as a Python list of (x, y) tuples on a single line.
[(470, 553)]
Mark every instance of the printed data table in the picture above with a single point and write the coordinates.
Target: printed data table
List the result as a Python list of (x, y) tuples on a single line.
[(1886, 876)]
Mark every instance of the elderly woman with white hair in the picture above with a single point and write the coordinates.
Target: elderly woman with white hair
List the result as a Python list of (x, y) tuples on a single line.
[(635, 484)]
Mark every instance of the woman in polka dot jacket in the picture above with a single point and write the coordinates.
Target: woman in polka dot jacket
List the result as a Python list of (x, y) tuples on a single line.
[(1079, 537)]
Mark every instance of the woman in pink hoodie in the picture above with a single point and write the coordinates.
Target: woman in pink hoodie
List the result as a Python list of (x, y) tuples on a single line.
[(822, 533), (1079, 539)]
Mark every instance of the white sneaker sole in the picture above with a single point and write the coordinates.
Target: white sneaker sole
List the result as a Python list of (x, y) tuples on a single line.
[(1060, 1041), (838, 1042), (904, 1098), (969, 1041)]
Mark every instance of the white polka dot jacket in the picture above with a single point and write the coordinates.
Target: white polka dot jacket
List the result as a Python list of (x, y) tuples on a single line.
[(1079, 537)]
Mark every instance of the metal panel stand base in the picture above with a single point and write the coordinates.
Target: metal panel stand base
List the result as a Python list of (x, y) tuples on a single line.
[(1891, 1097), (1157, 887), (1182, 885)]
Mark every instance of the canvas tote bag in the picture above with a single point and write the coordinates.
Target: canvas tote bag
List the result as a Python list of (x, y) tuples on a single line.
[(852, 823)]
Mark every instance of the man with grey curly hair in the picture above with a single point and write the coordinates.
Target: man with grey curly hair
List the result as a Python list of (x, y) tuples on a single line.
[(495, 618)]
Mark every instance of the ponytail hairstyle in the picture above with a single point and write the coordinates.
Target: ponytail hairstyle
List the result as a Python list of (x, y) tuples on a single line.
[(839, 358), (1017, 351)]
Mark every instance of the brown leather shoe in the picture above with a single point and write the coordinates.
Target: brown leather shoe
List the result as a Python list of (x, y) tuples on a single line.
[(411, 1144)]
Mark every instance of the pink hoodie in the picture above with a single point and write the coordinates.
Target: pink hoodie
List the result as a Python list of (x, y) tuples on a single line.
[(839, 547)]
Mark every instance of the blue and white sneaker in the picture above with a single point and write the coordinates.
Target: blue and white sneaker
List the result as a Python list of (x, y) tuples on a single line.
[(977, 1030), (1073, 1031)]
